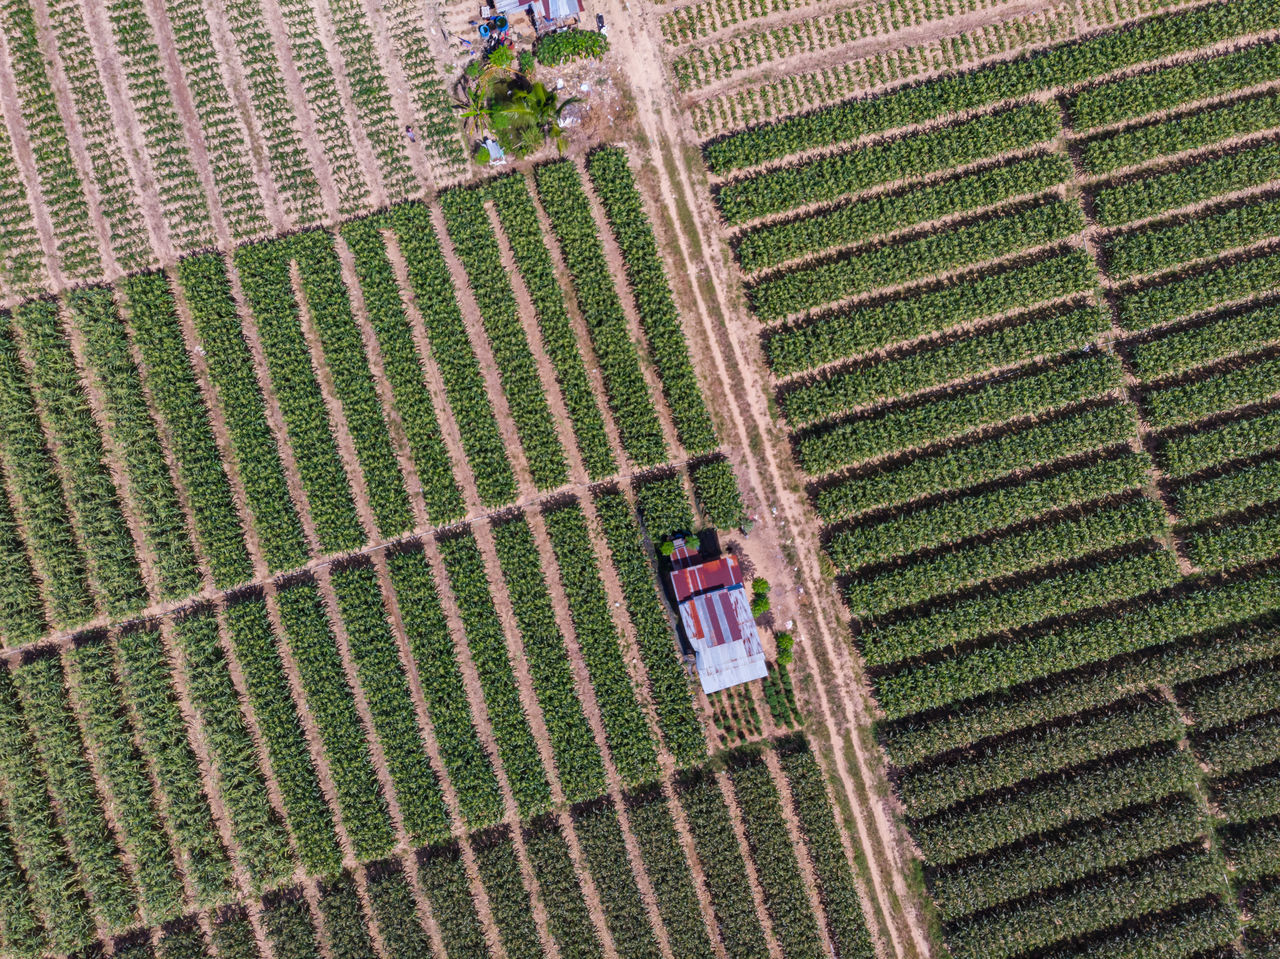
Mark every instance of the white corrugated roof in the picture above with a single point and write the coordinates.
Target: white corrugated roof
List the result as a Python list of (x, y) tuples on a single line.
[(724, 660)]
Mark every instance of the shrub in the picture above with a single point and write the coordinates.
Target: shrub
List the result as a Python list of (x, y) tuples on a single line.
[(569, 45)]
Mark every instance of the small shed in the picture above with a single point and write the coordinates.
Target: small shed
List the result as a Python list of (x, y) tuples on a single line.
[(542, 10), (496, 156), (715, 611)]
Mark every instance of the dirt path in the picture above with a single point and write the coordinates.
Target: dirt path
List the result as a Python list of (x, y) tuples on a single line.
[(749, 427)]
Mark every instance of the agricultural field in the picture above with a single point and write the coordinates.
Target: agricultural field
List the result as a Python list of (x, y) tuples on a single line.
[(1020, 325)]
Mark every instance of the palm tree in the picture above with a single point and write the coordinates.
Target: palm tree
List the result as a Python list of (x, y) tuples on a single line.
[(540, 106), (478, 113)]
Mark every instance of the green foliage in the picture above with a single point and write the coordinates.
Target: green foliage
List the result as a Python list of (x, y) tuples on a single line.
[(830, 178), (153, 318), (332, 703), (402, 367), (630, 743), (310, 820), (451, 348), (233, 936), (512, 910), (664, 506), (164, 527), (1222, 336), (344, 918), (615, 185), (265, 276), (715, 487), (848, 333), (432, 644), (1150, 250), (1059, 66), (565, 201), (289, 927), (444, 881), (46, 710), (20, 930), (576, 753), (600, 837), (77, 446), (261, 836), (397, 916), (566, 45), (659, 647), (1253, 381), (476, 245), (208, 292), (567, 914), (861, 219), (791, 292), (722, 864), (488, 645), (386, 690), (520, 224)]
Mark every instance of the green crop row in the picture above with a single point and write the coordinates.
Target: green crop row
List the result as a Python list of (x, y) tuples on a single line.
[(1060, 66), (444, 881), (1171, 86), (233, 938), (830, 178), (41, 849), (265, 275), (433, 649), (1247, 745), (1221, 337), (22, 613), (767, 246), (561, 191), (1254, 849), (20, 930), (451, 348), (1015, 607), (836, 887), (403, 369), (783, 886), (669, 873), (153, 318), (46, 711), (474, 241), (1251, 382), (1065, 856), (331, 702), (147, 680), (182, 940), (519, 220), (1249, 796), (1206, 289), (1238, 490), (1032, 391), (980, 461), (488, 646), (310, 820), (1055, 331), (859, 330), (664, 506), (1138, 197), (722, 865), (1231, 545), (1066, 539), (163, 525), (630, 741), (715, 487), (1145, 143), (343, 918), (396, 913), (576, 753), (208, 293), (1205, 928), (659, 647), (1005, 664), (260, 835), (1147, 251), (77, 446), (1054, 802), (616, 187), (567, 914), (1093, 687), (600, 837), (325, 300), (1155, 885), (121, 767), (1209, 447), (386, 690), (1037, 752), (289, 927), (509, 901), (948, 249), (1230, 697)]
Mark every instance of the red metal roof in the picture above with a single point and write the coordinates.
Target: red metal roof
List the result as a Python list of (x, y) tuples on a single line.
[(703, 577)]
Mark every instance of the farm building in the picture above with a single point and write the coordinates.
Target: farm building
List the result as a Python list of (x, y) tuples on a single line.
[(715, 611), (545, 11)]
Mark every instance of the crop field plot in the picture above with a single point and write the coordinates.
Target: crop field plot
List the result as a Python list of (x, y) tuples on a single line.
[(1020, 326)]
